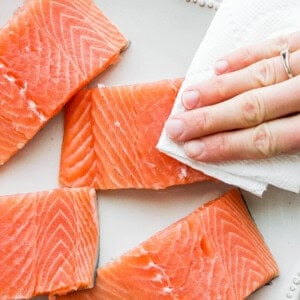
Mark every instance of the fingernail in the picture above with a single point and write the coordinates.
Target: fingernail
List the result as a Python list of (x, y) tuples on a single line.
[(221, 66), (190, 99), (174, 128), (194, 149)]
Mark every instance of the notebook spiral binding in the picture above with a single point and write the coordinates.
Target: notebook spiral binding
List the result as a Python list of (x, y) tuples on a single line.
[(213, 4)]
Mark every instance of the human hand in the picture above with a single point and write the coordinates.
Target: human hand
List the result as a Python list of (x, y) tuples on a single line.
[(249, 110)]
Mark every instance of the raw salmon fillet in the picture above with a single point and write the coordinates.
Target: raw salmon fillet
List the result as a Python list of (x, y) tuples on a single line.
[(48, 51), (111, 134), (48, 242), (214, 253)]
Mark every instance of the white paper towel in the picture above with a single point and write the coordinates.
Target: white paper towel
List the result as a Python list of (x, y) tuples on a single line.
[(238, 23)]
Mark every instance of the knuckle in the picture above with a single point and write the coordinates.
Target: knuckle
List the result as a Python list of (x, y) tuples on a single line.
[(199, 123), (281, 42), (217, 147), (220, 87), (247, 55), (204, 120), (253, 111), (264, 73), (263, 141), (222, 145)]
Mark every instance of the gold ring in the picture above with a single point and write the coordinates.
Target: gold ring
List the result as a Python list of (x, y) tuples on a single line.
[(285, 57)]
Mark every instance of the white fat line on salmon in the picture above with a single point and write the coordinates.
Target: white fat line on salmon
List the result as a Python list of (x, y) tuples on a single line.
[(20, 145), (183, 172), (150, 165), (167, 290), (161, 274), (117, 124), (19, 83), (33, 108), (24, 89), (100, 85), (158, 278), (9, 78)]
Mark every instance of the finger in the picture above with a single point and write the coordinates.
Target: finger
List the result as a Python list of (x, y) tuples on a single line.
[(248, 55), (243, 111), (266, 140), (219, 88)]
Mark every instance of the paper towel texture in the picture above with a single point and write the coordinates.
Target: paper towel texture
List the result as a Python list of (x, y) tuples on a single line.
[(238, 23)]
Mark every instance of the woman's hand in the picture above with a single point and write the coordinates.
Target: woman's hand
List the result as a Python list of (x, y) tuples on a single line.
[(249, 110)]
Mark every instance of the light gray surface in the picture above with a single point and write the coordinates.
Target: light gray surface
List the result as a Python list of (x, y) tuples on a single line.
[(164, 36)]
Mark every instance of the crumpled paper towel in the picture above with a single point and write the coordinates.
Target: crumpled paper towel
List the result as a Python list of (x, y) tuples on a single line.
[(238, 23)]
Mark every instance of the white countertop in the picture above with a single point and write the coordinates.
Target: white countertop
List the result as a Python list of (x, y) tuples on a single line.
[(164, 36)]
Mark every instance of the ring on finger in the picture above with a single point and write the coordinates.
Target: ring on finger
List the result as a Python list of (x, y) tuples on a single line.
[(285, 58)]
